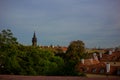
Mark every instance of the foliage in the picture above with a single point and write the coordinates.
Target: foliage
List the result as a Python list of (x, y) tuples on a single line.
[(27, 60), (6, 37), (34, 61), (76, 50)]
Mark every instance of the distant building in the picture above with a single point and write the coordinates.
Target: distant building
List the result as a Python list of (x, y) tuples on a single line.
[(57, 49), (96, 66), (34, 40)]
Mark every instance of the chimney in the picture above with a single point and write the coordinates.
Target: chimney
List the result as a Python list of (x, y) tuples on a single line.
[(82, 61), (110, 52), (91, 60), (113, 50), (95, 56), (107, 67), (100, 54)]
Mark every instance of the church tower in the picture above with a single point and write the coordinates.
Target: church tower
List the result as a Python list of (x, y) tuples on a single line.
[(34, 40)]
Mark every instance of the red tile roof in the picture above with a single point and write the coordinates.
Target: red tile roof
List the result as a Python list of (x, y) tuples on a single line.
[(115, 56), (99, 67)]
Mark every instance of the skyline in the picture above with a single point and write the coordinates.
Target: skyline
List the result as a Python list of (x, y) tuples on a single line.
[(58, 22)]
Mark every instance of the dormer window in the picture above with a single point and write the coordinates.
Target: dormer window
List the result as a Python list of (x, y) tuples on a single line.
[(83, 69), (102, 70), (94, 70)]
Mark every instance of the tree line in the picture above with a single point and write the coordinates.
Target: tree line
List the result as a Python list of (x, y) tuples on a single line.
[(18, 59)]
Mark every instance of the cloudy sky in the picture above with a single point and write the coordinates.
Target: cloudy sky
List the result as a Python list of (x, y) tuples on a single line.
[(58, 22)]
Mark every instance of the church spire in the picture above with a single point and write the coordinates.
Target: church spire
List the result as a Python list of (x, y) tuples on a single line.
[(34, 35), (34, 40)]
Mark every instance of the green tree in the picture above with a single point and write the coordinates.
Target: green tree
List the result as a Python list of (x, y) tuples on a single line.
[(76, 50), (6, 37), (28, 60), (74, 53), (8, 52)]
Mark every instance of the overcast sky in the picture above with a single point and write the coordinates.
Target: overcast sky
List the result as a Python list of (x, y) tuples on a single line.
[(58, 22)]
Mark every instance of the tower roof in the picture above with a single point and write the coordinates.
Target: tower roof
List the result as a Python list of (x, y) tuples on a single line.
[(34, 40), (34, 36)]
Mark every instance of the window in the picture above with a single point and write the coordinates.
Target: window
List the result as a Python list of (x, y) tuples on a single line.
[(118, 72), (102, 70), (83, 69), (94, 70)]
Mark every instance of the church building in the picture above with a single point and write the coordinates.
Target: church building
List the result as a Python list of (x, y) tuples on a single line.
[(34, 40)]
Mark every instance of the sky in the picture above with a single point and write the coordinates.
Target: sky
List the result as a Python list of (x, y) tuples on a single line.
[(58, 22)]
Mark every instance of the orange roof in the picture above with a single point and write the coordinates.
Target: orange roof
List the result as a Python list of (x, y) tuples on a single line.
[(99, 68), (115, 56), (90, 61), (64, 48)]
